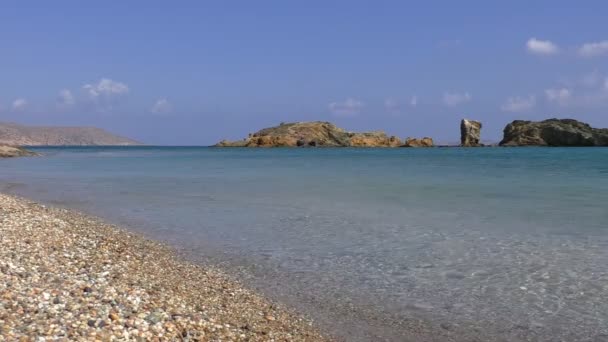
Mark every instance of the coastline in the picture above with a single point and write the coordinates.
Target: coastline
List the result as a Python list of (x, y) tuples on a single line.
[(65, 275), (411, 295), (312, 319)]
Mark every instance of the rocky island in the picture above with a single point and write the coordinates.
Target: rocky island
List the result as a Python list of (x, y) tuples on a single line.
[(553, 132), (312, 134)]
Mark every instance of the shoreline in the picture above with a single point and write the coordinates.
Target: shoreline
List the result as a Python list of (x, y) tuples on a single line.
[(67, 275), (319, 318)]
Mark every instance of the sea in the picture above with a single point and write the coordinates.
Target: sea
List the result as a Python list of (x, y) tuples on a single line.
[(437, 244)]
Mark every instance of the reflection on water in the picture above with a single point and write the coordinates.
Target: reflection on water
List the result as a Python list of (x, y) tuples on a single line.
[(487, 244)]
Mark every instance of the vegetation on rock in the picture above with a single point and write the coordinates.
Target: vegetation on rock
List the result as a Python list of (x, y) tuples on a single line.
[(312, 134), (553, 132)]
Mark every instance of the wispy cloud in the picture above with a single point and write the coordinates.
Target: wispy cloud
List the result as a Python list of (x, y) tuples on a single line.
[(561, 96), (106, 88), (591, 79), (519, 104), (105, 93), (414, 101), (65, 98), (19, 104), (541, 47), (392, 106), (588, 91), (162, 106), (455, 99), (349, 107), (594, 49)]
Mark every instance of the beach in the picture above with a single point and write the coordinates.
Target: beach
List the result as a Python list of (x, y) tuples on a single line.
[(66, 276), (460, 245)]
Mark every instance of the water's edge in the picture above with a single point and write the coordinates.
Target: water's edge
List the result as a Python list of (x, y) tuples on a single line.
[(343, 322), (483, 244)]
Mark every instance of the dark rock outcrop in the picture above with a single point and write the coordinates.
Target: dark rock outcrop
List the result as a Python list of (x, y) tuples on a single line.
[(312, 134), (12, 151), (424, 142), (470, 133), (553, 132)]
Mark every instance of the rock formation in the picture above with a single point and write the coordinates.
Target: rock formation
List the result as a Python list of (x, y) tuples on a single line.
[(553, 132), (424, 142), (470, 133), (312, 134), (11, 151), (19, 135), (373, 139)]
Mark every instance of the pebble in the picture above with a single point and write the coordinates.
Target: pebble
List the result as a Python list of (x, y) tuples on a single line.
[(454, 275), (69, 276)]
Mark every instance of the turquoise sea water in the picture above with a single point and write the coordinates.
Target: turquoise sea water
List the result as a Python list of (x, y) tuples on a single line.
[(489, 243)]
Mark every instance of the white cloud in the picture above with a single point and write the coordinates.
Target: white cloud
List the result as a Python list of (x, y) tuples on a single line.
[(65, 98), (350, 107), (594, 49), (519, 104), (19, 104), (414, 101), (561, 96), (106, 93), (162, 106), (541, 47), (590, 92), (106, 88), (454, 99)]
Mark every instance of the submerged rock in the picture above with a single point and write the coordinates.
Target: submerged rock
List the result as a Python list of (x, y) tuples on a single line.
[(553, 132), (12, 151), (414, 142), (315, 133), (470, 133)]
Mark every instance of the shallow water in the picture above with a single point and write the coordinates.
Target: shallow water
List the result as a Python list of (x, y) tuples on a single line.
[(489, 244)]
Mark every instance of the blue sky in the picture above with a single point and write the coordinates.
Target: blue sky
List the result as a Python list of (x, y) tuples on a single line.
[(194, 72)]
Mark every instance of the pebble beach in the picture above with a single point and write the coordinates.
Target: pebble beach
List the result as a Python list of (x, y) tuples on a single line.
[(65, 276)]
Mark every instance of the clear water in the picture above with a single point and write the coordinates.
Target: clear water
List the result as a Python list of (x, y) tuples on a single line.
[(501, 244)]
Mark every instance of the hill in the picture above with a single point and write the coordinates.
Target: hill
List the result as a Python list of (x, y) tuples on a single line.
[(20, 135)]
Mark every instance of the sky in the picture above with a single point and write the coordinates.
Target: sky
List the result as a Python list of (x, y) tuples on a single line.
[(196, 72)]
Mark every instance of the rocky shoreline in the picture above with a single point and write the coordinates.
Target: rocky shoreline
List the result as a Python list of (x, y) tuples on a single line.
[(551, 132), (12, 151), (66, 276)]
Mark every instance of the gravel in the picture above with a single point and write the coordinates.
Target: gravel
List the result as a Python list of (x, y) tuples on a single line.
[(65, 276)]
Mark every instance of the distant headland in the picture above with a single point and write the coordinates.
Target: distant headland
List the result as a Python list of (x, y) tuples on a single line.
[(21, 135), (13, 135)]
